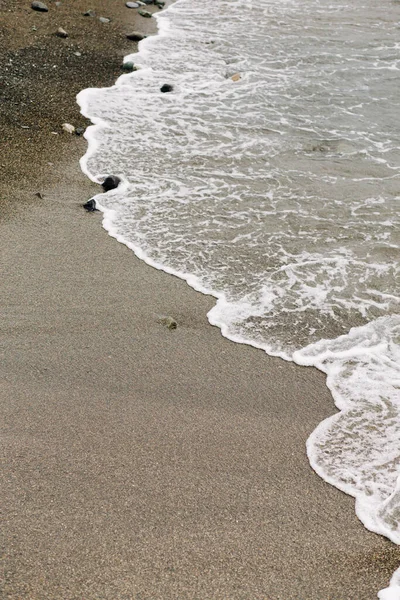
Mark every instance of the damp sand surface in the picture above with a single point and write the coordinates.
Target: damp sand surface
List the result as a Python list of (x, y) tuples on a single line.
[(140, 461)]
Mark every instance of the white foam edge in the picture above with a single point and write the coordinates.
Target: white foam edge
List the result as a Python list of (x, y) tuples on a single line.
[(393, 591), (192, 280), (363, 510), (108, 214), (362, 506), (163, 26), (82, 98)]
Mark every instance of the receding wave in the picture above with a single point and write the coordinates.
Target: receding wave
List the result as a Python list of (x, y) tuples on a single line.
[(270, 178)]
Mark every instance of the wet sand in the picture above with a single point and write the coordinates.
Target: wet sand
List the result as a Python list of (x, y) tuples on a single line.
[(140, 462)]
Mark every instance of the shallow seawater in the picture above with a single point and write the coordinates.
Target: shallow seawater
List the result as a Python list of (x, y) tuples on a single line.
[(279, 194)]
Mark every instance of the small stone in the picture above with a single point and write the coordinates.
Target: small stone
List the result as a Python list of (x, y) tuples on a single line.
[(58, 4), (90, 205), (145, 13), (61, 33), (132, 4), (39, 195), (159, 3), (104, 20), (167, 87), (89, 13), (136, 36), (235, 77), (110, 183), (129, 67), (79, 131), (169, 322), (77, 54), (147, 1), (39, 6), (68, 127)]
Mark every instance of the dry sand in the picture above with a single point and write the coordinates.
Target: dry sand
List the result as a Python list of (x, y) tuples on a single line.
[(140, 463)]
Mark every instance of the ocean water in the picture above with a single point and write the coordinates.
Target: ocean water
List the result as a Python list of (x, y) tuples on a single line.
[(279, 194)]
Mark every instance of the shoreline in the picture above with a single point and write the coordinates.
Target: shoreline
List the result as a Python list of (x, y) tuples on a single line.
[(144, 462)]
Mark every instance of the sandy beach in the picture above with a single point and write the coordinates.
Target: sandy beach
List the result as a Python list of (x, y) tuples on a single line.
[(139, 462)]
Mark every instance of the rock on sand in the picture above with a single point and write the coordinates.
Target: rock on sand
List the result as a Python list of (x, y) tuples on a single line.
[(136, 36), (39, 6)]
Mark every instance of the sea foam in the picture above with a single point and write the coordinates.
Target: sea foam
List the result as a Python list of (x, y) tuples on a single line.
[(277, 194)]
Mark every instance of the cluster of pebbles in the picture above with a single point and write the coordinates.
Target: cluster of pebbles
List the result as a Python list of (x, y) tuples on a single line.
[(111, 182), (42, 7), (127, 66)]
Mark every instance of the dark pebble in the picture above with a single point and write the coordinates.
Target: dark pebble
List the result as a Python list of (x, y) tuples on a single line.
[(148, 1), (90, 205), (136, 36), (167, 87), (79, 131), (40, 6), (110, 183), (145, 13)]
